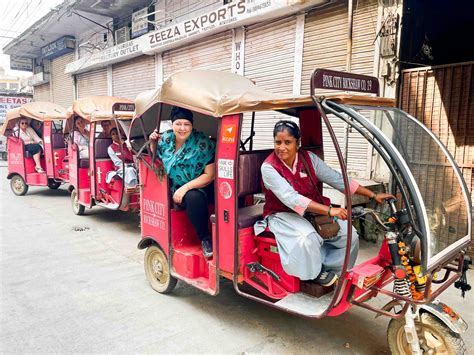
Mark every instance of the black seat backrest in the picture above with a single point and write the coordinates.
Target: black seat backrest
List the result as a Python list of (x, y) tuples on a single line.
[(250, 176), (101, 145), (57, 141)]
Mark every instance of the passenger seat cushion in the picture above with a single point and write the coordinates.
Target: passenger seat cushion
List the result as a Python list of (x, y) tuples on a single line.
[(247, 216), (101, 145), (250, 181), (57, 140)]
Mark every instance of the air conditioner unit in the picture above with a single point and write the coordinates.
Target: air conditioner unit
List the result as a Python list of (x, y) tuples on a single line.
[(122, 35)]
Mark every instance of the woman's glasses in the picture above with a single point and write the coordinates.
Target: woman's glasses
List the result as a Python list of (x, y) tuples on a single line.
[(24, 123)]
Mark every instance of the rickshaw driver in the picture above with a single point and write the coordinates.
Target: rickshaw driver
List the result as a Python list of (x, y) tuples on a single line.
[(289, 194), (188, 160)]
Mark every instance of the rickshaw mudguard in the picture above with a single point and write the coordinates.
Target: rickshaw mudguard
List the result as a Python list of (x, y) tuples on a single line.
[(445, 314), (439, 310), (146, 242)]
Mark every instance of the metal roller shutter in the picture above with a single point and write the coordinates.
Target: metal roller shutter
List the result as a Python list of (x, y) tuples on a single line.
[(63, 84), (41, 93), (363, 36), (92, 83), (214, 52), (441, 97), (134, 76), (325, 46), (269, 61)]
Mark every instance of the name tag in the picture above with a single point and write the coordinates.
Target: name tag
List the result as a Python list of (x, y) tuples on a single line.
[(303, 174)]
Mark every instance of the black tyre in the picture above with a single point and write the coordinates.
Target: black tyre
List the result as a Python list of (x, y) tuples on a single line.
[(157, 270), (18, 185), (435, 337), (53, 185), (77, 208)]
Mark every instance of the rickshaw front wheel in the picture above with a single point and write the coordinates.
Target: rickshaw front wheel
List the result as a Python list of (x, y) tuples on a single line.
[(77, 208), (53, 185), (157, 270), (18, 185), (435, 337)]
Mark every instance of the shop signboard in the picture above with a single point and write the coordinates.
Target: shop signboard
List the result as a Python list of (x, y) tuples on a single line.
[(118, 53), (59, 47), (10, 102), (21, 63), (139, 22), (240, 12)]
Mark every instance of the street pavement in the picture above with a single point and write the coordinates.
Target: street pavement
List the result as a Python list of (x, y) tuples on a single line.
[(76, 284)]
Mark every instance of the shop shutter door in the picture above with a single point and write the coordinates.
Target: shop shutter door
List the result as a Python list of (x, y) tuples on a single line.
[(269, 61), (63, 84), (41, 93), (92, 83), (213, 53), (325, 46), (441, 97), (134, 76), (363, 36)]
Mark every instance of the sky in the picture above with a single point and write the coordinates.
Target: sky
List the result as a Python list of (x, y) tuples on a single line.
[(17, 16)]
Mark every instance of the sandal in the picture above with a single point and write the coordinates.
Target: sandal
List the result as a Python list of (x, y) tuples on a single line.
[(39, 169)]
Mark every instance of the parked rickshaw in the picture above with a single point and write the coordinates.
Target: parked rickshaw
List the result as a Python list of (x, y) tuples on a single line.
[(88, 175), (422, 252), (21, 167)]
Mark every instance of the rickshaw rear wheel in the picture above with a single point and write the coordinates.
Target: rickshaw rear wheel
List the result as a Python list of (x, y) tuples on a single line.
[(435, 337), (77, 208), (18, 185), (157, 270), (53, 185)]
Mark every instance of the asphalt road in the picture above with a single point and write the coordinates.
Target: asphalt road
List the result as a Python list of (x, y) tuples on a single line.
[(72, 284)]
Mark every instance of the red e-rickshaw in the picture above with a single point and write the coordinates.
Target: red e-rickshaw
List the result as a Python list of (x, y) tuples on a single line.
[(21, 167), (421, 253), (88, 183)]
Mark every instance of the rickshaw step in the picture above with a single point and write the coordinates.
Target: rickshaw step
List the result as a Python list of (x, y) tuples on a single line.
[(305, 304)]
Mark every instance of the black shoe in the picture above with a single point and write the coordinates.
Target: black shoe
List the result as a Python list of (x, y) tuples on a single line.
[(206, 248), (326, 278)]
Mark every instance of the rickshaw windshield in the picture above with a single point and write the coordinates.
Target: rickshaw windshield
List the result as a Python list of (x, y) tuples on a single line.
[(439, 181)]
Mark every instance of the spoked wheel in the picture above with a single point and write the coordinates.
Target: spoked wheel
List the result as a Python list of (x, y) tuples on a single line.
[(18, 185), (77, 208), (53, 185), (157, 270), (435, 337)]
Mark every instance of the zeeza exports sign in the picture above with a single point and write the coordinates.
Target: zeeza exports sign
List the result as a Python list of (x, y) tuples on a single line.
[(217, 20)]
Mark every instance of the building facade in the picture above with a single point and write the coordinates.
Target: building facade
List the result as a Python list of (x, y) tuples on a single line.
[(276, 43)]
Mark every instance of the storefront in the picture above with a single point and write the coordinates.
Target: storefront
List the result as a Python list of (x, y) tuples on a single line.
[(213, 52), (134, 76), (63, 84), (271, 67), (92, 83)]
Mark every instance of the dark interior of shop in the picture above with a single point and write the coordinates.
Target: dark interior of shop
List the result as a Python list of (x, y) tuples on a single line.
[(436, 32)]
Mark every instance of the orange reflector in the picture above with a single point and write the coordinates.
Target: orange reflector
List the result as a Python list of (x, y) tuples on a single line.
[(400, 273)]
